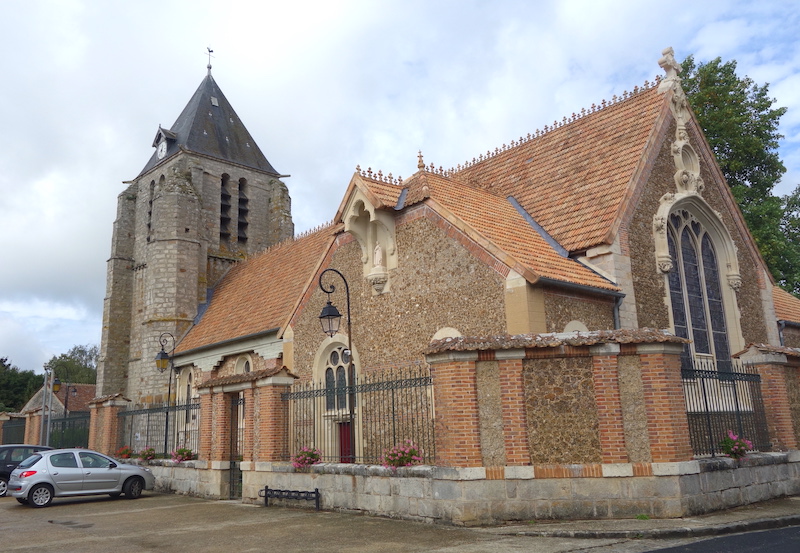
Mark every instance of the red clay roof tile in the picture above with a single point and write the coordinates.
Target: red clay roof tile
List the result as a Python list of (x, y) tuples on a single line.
[(572, 179), (259, 294), (787, 306)]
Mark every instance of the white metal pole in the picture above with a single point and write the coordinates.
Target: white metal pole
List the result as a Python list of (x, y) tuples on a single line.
[(44, 405), (49, 412)]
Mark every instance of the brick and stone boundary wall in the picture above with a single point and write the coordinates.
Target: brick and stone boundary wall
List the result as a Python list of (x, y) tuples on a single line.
[(468, 497)]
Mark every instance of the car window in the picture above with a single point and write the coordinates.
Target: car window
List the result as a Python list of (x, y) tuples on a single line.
[(20, 454), (3, 454), (30, 461), (64, 460), (92, 460)]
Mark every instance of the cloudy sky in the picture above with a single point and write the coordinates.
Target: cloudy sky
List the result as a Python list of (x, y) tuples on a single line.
[(322, 86)]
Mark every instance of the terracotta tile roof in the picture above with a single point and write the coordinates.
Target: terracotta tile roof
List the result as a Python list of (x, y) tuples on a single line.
[(243, 377), (552, 340), (80, 399), (386, 192), (573, 179), (787, 306), (498, 221), (102, 399), (494, 223), (259, 294), (768, 348)]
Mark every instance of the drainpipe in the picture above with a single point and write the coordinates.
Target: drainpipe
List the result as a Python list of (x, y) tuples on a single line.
[(617, 304)]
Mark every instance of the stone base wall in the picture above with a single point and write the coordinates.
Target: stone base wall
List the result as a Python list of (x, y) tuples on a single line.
[(196, 478), (723, 483), (471, 497)]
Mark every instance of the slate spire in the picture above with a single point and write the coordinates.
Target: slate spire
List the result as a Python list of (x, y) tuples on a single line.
[(209, 126)]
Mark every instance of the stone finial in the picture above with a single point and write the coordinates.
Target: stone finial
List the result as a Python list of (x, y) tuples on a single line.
[(420, 163), (670, 66)]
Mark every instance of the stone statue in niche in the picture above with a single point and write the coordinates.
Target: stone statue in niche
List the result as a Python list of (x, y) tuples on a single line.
[(378, 276)]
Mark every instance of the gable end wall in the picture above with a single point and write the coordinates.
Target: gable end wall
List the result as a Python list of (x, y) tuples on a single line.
[(649, 285)]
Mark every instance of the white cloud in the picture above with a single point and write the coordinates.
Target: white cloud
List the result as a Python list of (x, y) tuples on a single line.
[(322, 87)]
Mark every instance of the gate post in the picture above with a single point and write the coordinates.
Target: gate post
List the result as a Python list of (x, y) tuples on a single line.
[(272, 418), (773, 368), (33, 424), (455, 391), (104, 423)]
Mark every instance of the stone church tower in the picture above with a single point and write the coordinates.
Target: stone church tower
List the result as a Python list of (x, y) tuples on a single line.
[(206, 199)]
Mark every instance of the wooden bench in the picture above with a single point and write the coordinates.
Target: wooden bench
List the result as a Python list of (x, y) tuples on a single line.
[(268, 492)]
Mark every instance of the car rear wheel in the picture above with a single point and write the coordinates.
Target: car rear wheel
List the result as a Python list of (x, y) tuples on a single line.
[(3, 487), (41, 495), (133, 487)]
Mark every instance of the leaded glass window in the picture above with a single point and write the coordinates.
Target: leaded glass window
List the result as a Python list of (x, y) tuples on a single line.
[(695, 292), (336, 379)]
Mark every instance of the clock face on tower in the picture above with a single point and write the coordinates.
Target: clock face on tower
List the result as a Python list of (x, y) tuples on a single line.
[(162, 149)]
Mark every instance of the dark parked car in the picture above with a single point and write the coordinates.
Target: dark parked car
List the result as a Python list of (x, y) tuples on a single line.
[(10, 456), (67, 472)]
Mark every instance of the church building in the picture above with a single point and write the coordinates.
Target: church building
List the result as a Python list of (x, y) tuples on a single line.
[(541, 323)]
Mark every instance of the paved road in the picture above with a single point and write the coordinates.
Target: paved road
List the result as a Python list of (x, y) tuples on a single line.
[(178, 524), (783, 540)]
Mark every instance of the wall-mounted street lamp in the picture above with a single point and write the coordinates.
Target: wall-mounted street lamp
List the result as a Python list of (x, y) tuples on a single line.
[(71, 390), (331, 319), (164, 362)]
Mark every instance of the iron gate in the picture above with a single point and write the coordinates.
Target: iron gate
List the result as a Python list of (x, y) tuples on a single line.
[(722, 400), (14, 431), (237, 439), (72, 431)]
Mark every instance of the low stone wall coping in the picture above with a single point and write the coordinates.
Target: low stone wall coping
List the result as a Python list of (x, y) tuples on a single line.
[(617, 470), (676, 469)]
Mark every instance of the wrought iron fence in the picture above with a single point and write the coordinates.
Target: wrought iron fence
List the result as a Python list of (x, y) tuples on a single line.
[(144, 428), (72, 431), (722, 400), (389, 406), (14, 431)]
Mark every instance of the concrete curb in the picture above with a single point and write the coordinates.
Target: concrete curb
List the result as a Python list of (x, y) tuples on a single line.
[(668, 533)]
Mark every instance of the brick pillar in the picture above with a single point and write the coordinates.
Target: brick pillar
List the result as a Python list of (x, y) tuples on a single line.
[(246, 447), (33, 427), (665, 408), (512, 394), (221, 425), (605, 377), (772, 367), (104, 425), (206, 425), (455, 393), (272, 419)]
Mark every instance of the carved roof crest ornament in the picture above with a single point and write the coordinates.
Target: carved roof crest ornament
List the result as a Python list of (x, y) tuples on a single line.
[(687, 175), (688, 183)]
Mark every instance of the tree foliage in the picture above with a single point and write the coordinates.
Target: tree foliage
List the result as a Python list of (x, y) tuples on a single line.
[(16, 386), (77, 366), (741, 123)]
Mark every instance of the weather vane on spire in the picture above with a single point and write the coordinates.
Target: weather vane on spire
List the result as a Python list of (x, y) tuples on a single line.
[(210, 51)]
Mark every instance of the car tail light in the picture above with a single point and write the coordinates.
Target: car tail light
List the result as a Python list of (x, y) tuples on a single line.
[(27, 473)]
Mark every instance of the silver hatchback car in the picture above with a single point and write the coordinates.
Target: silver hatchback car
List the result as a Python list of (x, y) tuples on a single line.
[(69, 472)]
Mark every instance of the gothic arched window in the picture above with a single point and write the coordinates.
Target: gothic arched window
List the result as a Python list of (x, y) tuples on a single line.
[(337, 379), (695, 292)]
